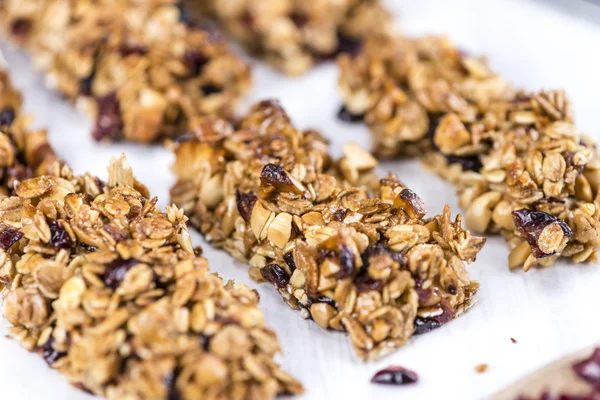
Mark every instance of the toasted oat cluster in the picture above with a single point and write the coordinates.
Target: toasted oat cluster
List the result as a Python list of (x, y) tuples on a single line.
[(109, 291), (292, 35), (24, 153), (350, 252), (140, 68), (520, 165)]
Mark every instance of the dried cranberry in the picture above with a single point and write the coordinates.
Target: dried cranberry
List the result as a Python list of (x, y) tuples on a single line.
[(49, 353), (395, 375), (170, 382), (468, 163), (245, 203), (340, 214), (299, 19), (128, 49), (346, 116), (426, 324), (195, 62), (8, 236), (364, 282), (323, 299), (210, 88), (276, 275), (379, 249), (273, 177), (348, 45), (7, 116), (589, 369), (116, 270), (434, 121), (530, 225), (59, 237), (247, 20), (21, 27), (289, 260), (108, 122)]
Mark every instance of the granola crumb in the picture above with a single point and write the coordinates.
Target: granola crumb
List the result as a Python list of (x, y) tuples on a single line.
[(513, 340), (481, 368)]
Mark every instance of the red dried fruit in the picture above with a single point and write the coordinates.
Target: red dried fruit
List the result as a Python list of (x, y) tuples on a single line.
[(48, 352), (274, 178), (195, 62), (395, 375), (8, 236), (109, 124), (334, 248), (245, 203), (210, 88), (530, 225), (20, 27), (289, 260), (426, 324), (299, 18), (468, 163), (59, 237), (276, 275), (128, 49), (7, 116), (115, 271), (589, 369), (346, 116)]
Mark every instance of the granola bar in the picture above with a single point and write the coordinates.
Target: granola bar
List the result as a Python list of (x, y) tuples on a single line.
[(520, 165), (24, 153), (141, 69), (293, 35), (367, 264), (108, 289)]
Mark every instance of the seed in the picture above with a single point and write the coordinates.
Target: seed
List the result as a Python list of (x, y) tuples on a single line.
[(280, 230), (481, 368)]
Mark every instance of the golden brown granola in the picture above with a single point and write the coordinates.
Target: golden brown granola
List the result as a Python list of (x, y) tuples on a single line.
[(139, 68), (24, 153), (109, 290), (292, 35), (352, 253), (520, 165)]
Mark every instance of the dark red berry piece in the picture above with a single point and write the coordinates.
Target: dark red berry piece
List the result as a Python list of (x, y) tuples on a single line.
[(8, 236), (109, 124), (589, 369), (530, 225), (7, 116), (59, 237), (245, 203), (395, 375), (276, 275), (346, 116), (116, 270)]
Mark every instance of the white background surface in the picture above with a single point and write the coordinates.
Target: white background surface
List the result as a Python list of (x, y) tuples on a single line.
[(549, 312)]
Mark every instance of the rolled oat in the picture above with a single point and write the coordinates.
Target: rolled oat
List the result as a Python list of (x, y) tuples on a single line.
[(141, 69), (108, 289), (349, 251), (520, 165)]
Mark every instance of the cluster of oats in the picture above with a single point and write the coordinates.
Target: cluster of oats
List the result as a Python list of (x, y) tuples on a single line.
[(293, 35), (520, 165), (141, 69), (23, 153), (349, 251), (110, 292)]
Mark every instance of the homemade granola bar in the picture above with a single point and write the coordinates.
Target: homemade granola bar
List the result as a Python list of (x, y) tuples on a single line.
[(520, 165), (109, 290), (369, 264), (139, 67), (24, 153), (292, 35)]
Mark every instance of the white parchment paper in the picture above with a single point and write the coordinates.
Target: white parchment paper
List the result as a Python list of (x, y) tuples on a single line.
[(549, 312)]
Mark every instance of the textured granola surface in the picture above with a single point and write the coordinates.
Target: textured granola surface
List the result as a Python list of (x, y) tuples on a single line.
[(520, 165), (108, 289), (349, 251), (292, 35), (141, 69), (24, 153)]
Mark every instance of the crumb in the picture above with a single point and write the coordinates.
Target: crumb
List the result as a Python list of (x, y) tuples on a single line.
[(481, 368), (513, 340)]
